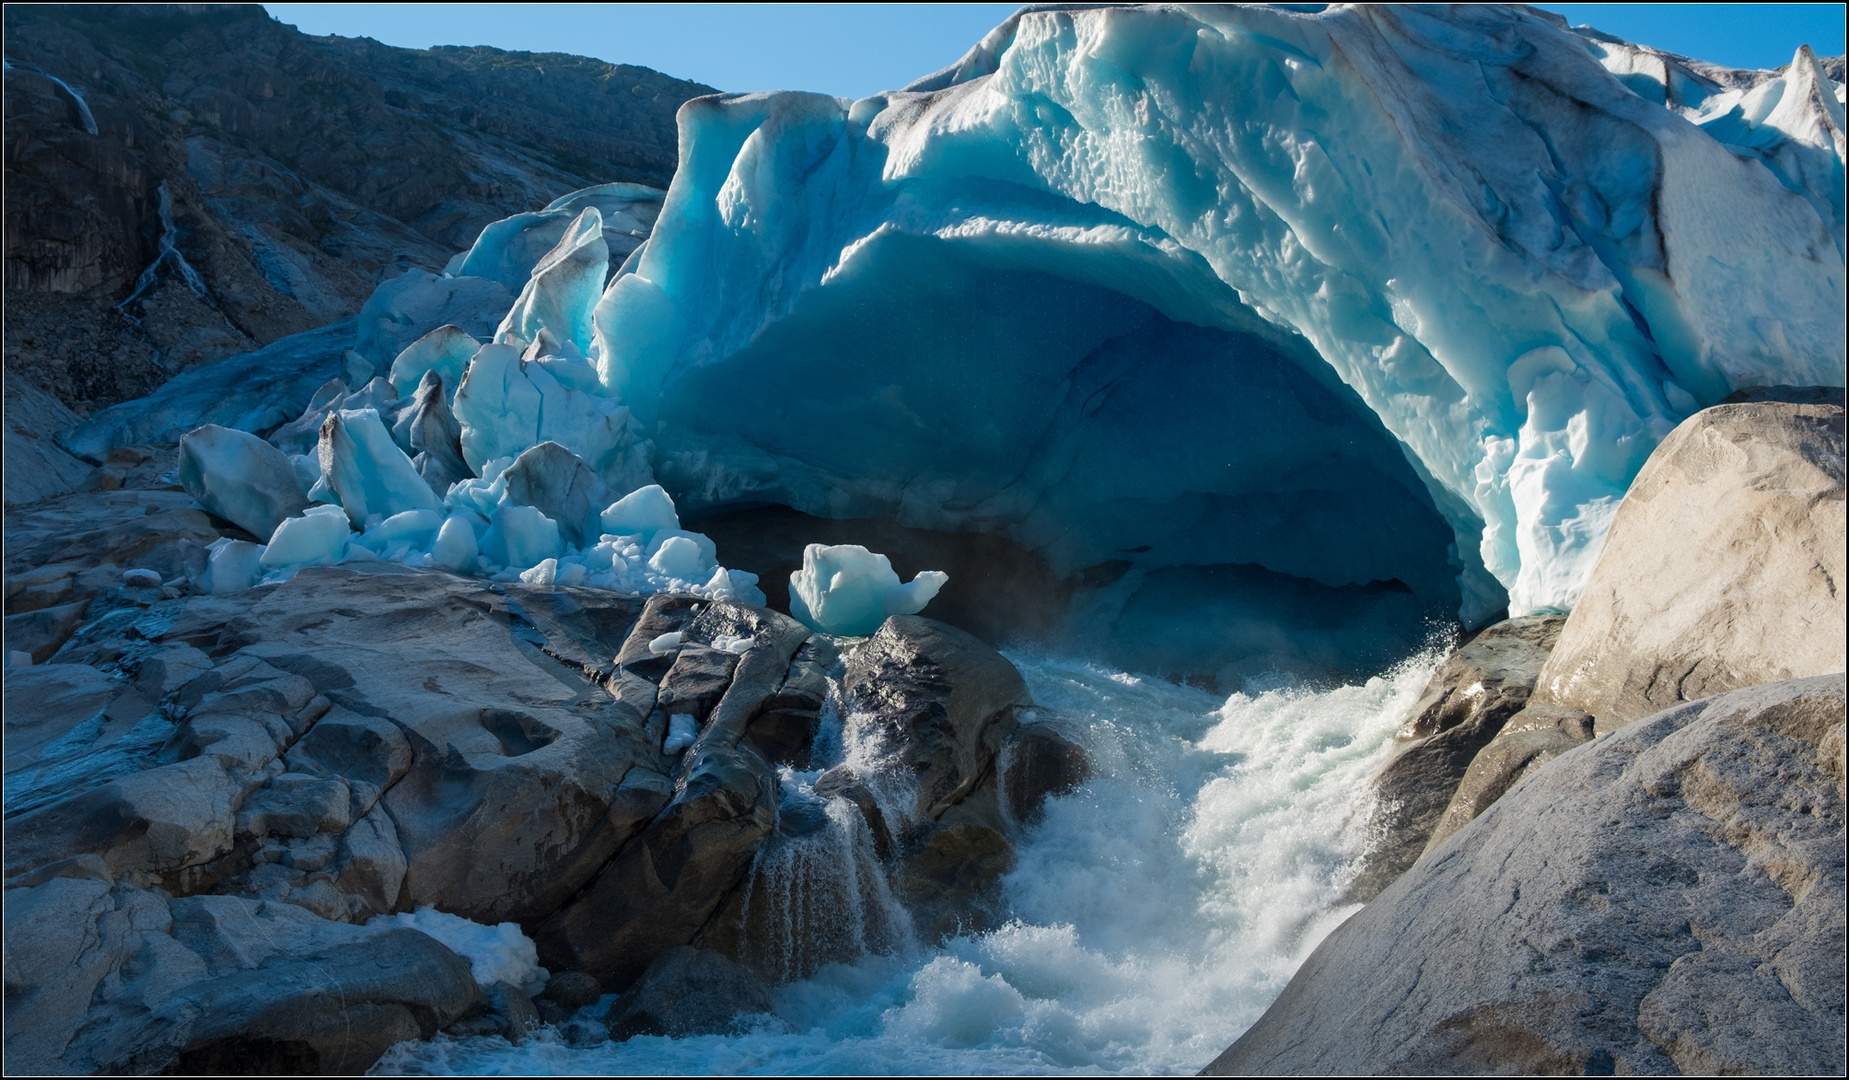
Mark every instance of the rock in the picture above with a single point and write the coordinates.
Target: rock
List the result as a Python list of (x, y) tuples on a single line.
[(37, 467), (1530, 739), (117, 979), (687, 991), (942, 695), (572, 989), (504, 1011), (1723, 567), (1667, 898), (240, 478), (783, 731), (1042, 762), (1468, 700), (842, 781), (662, 889), (554, 480)]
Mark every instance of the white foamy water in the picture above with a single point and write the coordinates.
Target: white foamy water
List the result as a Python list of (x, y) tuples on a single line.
[(1156, 911)]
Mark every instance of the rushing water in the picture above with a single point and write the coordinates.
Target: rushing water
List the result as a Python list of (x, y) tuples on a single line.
[(1155, 912)]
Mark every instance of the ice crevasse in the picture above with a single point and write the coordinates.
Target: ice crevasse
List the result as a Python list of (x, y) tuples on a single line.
[(1312, 298)]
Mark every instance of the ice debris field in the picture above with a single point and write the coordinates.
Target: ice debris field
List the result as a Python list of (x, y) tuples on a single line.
[(1238, 316)]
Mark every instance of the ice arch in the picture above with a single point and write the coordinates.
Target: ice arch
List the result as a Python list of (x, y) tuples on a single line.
[(1505, 272)]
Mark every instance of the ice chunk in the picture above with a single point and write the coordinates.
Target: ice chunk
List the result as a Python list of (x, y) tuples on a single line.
[(665, 643), (409, 530), (496, 954), (507, 250), (643, 512), (356, 370), (683, 729), (234, 565), (565, 286), (848, 590), (143, 579), (737, 646), (455, 547), (558, 483), (679, 557), (430, 431), (318, 536), (366, 470), (445, 350), (416, 302), (240, 478), (506, 406), (520, 537)]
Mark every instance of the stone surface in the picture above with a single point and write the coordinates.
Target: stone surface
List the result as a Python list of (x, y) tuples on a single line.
[(1469, 698), (1667, 898), (299, 173), (1723, 568), (103, 978), (1530, 739), (1042, 761), (686, 992)]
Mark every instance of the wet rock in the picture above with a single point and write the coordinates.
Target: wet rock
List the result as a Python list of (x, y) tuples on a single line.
[(783, 731), (1668, 898), (1469, 698), (688, 991), (1042, 762), (104, 978), (663, 887), (504, 1011), (1723, 567), (572, 989), (843, 782), (1530, 739)]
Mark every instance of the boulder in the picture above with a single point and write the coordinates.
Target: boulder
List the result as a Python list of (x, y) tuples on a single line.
[(688, 991), (109, 978), (1666, 898), (240, 478), (1723, 567), (1042, 761), (1486, 681), (1530, 739)]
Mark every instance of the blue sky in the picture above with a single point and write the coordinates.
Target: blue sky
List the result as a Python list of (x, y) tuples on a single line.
[(857, 49)]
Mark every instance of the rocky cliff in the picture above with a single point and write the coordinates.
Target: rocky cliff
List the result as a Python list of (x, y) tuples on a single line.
[(185, 183)]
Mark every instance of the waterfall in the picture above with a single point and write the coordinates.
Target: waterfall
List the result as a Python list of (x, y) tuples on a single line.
[(166, 253), (84, 114)]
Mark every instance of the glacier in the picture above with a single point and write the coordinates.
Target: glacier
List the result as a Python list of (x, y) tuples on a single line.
[(1274, 337)]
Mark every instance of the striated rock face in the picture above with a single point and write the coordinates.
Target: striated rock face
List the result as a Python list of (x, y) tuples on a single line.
[(1667, 898), (1470, 698), (274, 178), (1724, 566)]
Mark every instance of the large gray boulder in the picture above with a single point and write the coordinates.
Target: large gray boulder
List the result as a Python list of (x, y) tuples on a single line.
[(240, 478), (108, 978), (1666, 898), (688, 991), (1468, 700), (1723, 568)]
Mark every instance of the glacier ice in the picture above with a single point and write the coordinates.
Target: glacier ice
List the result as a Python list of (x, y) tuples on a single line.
[(239, 477), (231, 566), (496, 954), (1273, 333), (367, 471), (445, 350), (1036, 293), (564, 288), (846, 589), (683, 729), (318, 535)]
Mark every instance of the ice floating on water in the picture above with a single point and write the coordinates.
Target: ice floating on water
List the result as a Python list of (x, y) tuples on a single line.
[(496, 954), (850, 591)]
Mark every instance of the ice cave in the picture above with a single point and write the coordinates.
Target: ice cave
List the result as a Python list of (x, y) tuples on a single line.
[(1250, 338)]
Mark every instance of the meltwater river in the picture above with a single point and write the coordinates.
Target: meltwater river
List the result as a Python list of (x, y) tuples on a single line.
[(1155, 912)]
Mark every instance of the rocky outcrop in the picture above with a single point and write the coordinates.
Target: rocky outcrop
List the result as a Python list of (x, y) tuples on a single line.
[(687, 991), (1469, 699), (1668, 898), (1724, 566), (105, 977), (368, 739), (187, 184)]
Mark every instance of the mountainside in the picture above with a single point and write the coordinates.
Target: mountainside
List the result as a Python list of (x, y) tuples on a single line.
[(186, 183)]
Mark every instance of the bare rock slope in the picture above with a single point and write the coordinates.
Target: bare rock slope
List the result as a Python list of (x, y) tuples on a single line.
[(185, 183)]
